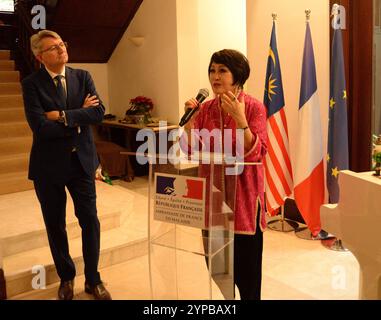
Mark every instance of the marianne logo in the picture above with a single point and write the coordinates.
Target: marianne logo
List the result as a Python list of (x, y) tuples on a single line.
[(179, 200), (185, 188)]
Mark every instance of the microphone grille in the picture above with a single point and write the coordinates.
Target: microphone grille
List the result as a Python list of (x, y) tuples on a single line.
[(204, 92)]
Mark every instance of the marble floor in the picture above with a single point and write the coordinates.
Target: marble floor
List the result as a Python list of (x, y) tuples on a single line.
[(293, 269)]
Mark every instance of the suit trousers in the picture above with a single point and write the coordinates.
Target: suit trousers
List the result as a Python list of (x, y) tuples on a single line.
[(52, 198)]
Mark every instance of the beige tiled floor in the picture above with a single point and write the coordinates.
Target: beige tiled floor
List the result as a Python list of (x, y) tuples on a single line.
[(292, 268)]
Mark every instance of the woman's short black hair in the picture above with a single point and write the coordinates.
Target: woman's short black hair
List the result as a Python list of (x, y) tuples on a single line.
[(235, 61)]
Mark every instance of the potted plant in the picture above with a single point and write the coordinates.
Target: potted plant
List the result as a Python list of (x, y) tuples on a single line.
[(377, 159), (140, 110), (377, 154)]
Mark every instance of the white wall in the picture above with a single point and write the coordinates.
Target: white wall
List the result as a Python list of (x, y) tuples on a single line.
[(151, 69), (99, 73), (204, 27), (188, 50), (171, 65), (222, 25), (291, 28)]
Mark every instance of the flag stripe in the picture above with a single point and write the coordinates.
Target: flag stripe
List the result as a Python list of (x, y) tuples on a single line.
[(276, 185), (310, 146), (309, 82), (275, 178), (278, 168), (274, 191), (270, 201), (284, 123), (309, 196), (281, 139), (278, 153)]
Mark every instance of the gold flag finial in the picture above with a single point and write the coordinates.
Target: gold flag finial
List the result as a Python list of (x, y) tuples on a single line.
[(308, 14), (274, 15)]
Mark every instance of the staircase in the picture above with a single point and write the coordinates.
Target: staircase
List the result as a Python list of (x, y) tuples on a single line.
[(15, 134), (24, 244)]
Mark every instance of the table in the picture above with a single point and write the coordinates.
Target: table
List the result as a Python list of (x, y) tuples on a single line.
[(124, 134)]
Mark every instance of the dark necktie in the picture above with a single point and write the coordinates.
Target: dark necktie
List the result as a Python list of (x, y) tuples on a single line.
[(61, 92)]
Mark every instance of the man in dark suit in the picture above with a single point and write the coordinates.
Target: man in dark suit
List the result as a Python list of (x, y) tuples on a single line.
[(60, 105)]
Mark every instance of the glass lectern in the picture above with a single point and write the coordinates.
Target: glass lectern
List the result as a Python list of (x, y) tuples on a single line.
[(191, 227)]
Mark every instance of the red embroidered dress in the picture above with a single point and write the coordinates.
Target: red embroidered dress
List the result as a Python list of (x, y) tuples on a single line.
[(250, 183)]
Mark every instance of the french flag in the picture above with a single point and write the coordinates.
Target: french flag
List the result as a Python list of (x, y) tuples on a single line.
[(309, 165)]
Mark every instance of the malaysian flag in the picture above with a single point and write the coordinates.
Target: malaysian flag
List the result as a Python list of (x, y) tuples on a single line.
[(279, 181)]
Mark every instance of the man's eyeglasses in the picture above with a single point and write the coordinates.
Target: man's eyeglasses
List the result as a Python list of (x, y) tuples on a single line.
[(61, 46)]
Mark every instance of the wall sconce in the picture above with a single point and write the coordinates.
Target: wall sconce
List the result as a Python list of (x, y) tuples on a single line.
[(137, 41)]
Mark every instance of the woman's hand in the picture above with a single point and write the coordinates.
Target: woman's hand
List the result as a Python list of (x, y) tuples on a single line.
[(92, 101), (191, 103), (236, 108)]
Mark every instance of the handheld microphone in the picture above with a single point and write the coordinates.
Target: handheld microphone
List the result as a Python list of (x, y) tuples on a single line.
[(201, 96)]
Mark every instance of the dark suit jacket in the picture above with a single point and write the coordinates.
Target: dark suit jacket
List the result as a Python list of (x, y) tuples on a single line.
[(52, 141)]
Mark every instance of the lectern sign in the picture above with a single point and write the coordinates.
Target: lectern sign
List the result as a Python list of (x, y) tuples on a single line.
[(180, 200)]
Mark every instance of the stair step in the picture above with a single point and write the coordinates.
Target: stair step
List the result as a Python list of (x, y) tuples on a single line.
[(5, 54), (11, 101), (38, 238), (7, 65), (9, 76), (12, 114), (15, 145), (14, 206), (14, 182), (15, 129), (14, 163), (10, 88), (116, 248)]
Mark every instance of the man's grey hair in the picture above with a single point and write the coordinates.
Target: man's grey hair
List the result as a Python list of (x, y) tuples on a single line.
[(35, 40)]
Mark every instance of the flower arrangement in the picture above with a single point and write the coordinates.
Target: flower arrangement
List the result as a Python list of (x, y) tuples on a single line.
[(377, 154), (139, 111), (140, 105), (377, 167)]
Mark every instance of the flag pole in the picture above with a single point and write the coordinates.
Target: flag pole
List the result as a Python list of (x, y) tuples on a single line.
[(282, 225), (304, 232), (334, 244), (308, 15)]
